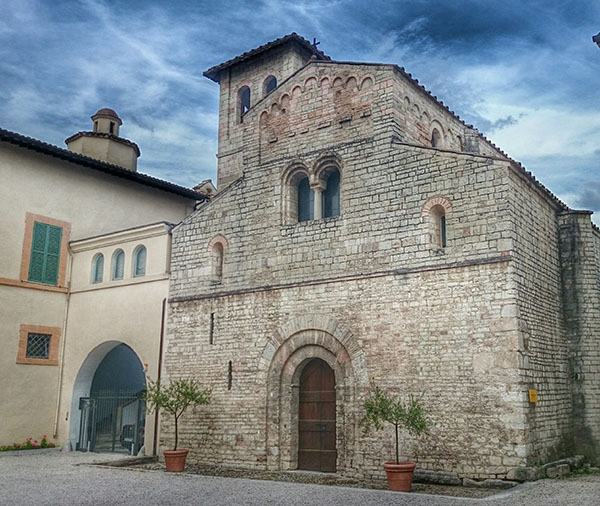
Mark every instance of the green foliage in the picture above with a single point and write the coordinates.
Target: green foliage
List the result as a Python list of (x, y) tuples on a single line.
[(28, 444), (586, 470), (174, 398), (382, 407)]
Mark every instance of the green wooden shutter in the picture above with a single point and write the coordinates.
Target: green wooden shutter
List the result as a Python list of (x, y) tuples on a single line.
[(45, 253), (38, 248)]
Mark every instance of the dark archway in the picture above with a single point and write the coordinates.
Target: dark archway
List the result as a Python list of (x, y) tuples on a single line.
[(109, 395), (119, 373), (316, 418)]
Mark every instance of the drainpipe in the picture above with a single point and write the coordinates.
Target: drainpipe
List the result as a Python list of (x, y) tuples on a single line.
[(63, 343), (160, 354)]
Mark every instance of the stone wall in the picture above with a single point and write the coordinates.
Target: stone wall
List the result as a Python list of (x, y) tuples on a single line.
[(581, 302), (329, 102), (461, 358), (471, 326), (281, 63), (544, 348), (373, 271)]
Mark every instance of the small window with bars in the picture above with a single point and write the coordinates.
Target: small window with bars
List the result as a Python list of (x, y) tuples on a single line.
[(38, 345)]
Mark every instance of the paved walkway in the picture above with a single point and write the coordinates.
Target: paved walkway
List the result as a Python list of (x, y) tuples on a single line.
[(56, 479)]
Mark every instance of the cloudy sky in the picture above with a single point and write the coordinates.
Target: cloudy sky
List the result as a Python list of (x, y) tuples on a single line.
[(524, 72)]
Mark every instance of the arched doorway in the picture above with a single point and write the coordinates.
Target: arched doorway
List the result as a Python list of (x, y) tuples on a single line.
[(108, 405), (316, 418)]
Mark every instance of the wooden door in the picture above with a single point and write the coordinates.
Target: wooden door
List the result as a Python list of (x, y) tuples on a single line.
[(316, 418)]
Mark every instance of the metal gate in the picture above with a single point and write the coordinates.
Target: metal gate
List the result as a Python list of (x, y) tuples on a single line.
[(112, 421)]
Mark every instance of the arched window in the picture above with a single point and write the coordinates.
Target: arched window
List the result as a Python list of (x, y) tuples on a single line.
[(139, 261), (217, 261), (434, 212), (306, 200), (217, 247), (270, 84), (98, 268), (243, 102), (436, 138), (118, 264), (331, 195), (438, 226)]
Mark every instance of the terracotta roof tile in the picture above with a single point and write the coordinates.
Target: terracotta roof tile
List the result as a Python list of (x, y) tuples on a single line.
[(107, 112), (105, 135)]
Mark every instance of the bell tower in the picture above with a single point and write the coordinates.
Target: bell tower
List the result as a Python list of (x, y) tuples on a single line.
[(243, 82)]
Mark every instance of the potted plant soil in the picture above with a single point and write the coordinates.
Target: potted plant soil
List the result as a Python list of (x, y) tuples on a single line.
[(174, 399), (382, 407)]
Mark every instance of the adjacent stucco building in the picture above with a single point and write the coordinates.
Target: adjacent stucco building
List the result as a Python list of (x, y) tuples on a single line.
[(362, 235), (62, 311)]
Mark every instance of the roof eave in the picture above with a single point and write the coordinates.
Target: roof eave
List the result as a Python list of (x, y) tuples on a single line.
[(213, 73), (92, 163)]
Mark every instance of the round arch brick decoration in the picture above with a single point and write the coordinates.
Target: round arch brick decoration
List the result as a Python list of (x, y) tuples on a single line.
[(220, 239), (437, 200), (289, 349)]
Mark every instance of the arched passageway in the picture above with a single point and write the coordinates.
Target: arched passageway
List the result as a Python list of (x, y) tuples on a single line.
[(108, 411)]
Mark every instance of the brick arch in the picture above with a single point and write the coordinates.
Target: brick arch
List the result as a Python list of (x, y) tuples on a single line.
[(436, 125), (437, 200), (325, 161), (219, 238), (291, 172), (290, 178), (310, 82), (367, 82), (284, 356)]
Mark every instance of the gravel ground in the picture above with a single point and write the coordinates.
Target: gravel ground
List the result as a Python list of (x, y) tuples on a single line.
[(322, 479), (59, 479)]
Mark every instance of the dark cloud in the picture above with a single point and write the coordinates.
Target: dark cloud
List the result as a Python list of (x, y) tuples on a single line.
[(590, 197), (145, 59)]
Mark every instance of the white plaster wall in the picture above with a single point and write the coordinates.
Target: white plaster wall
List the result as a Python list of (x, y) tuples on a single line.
[(27, 392), (94, 203)]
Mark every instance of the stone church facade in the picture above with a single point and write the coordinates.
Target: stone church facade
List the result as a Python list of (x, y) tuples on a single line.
[(361, 226)]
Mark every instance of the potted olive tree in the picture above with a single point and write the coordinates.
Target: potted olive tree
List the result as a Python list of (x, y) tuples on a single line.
[(173, 399), (382, 407)]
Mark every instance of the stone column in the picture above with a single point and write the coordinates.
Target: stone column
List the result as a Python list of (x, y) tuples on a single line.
[(318, 209)]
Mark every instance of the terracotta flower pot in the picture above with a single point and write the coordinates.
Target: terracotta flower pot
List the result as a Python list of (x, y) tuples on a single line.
[(175, 460), (399, 475)]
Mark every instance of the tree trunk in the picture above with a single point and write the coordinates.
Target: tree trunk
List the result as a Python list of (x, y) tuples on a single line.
[(396, 427), (176, 435)]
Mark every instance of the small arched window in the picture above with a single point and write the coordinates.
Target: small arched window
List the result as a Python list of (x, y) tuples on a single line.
[(436, 138), (217, 261), (243, 102), (270, 84), (306, 200), (434, 213), (118, 264), (331, 195), (139, 261), (98, 268), (438, 217)]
